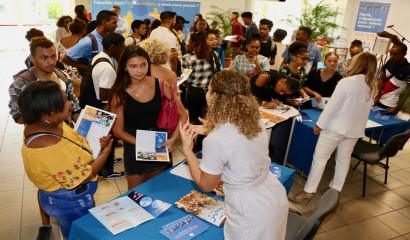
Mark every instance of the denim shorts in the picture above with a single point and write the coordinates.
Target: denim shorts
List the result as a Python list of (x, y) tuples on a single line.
[(68, 205)]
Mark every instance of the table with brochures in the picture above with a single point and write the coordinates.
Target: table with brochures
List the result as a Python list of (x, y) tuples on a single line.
[(168, 188), (303, 141)]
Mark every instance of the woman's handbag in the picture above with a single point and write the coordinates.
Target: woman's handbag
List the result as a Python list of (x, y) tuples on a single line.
[(168, 116)]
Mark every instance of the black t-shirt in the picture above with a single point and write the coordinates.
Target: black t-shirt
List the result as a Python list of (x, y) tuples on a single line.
[(315, 83), (267, 92), (267, 49)]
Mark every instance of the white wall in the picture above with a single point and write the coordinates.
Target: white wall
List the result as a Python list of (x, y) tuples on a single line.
[(399, 16)]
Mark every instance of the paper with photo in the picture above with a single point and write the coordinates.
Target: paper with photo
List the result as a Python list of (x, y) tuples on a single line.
[(147, 146), (94, 123), (184, 76)]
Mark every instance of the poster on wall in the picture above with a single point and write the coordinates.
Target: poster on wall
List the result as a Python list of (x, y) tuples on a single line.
[(151, 9), (371, 17)]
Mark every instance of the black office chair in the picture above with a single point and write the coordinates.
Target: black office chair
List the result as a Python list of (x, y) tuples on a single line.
[(372, 154), (301, 228)]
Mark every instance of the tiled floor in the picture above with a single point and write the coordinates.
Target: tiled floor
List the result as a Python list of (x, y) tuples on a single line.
[(383, 214)]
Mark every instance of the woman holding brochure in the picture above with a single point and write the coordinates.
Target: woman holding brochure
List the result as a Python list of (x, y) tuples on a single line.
[(342, 122), (136, 99), (322, 82), (57, 159), (236, 152)]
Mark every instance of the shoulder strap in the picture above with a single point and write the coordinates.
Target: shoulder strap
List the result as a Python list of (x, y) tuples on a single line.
[(161, 86), (101, 59), (94, 44), (215, 59), (38, 134), (273, 45), (61, 75)]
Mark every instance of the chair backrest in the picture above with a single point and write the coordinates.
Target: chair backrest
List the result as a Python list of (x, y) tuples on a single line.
[(394, 144), (324, 207)]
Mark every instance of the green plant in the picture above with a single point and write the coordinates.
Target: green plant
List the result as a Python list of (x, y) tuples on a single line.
[(55, 9), (318, 18), (221, 17)]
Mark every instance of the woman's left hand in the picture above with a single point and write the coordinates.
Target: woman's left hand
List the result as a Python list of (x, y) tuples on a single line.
[(187, 135), (168, 143)]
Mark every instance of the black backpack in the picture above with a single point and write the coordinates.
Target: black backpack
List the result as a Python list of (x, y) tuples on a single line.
[(87, 91)]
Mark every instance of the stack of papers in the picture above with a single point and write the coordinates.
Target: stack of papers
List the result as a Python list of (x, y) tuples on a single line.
[(271, 117)]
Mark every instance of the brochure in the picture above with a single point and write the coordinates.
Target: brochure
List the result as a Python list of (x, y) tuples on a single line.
[(94, 123), (377, 109), (231, 38), (270, 116), (147, 146), (153, 206), (184, 228), (382, 116), (203, 206), (403, 117), (322, 104), (302, 100), (124, 213), (184, 76), (372, 124)]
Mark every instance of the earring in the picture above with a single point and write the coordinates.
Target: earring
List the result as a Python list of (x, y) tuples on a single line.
[(48, 122), (125, 69)]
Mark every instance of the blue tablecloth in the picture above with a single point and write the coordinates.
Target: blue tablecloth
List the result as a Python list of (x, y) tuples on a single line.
[(166, 187), (304, 141)]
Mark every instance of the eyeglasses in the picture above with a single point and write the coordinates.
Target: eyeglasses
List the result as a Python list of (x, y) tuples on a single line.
[(303, 58), (206, 89)]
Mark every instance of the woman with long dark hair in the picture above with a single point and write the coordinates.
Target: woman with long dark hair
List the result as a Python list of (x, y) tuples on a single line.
[(204, 63), (136, 99), (81, 13)]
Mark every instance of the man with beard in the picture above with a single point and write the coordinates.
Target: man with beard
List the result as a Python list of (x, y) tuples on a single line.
[(164, 33)]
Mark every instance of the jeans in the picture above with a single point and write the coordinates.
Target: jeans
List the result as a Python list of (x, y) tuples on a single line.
[(196, 103), (68, 205)]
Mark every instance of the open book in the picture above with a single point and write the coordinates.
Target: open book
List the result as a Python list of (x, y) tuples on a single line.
[(203, 206), (94, 123), (147, 146), (129, 211)]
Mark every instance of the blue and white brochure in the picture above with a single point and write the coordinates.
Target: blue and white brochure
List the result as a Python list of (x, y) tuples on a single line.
[(184, 228), (147, 146), (152, 205)]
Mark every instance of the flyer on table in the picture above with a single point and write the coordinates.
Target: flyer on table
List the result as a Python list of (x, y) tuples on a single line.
[(94, 123), (147, 146), (184, 228)]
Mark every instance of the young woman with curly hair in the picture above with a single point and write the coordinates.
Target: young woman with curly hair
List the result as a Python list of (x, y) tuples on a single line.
[(62, 27), (236, 152), (342, 123)]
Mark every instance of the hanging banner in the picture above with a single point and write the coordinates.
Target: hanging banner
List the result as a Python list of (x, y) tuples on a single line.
[(151, 9), (371, 17)]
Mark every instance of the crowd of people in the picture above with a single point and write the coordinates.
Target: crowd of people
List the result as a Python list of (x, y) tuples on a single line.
[(217, 108)]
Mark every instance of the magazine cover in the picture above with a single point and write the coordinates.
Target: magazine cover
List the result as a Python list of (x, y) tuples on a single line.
[(147, 146), (94, 123), (203, 206), (184, 228)]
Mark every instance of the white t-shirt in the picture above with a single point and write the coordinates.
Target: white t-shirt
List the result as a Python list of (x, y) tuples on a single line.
[(103, 74), (130, 41), (122, 26), (165, 35), (252, 193)]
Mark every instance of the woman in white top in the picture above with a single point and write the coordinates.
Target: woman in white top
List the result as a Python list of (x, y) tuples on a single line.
[(342, 123), (62, 24), (236, 152)]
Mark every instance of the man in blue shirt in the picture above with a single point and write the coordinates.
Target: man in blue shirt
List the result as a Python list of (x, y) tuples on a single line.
[(107, 22), (315, 56)]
